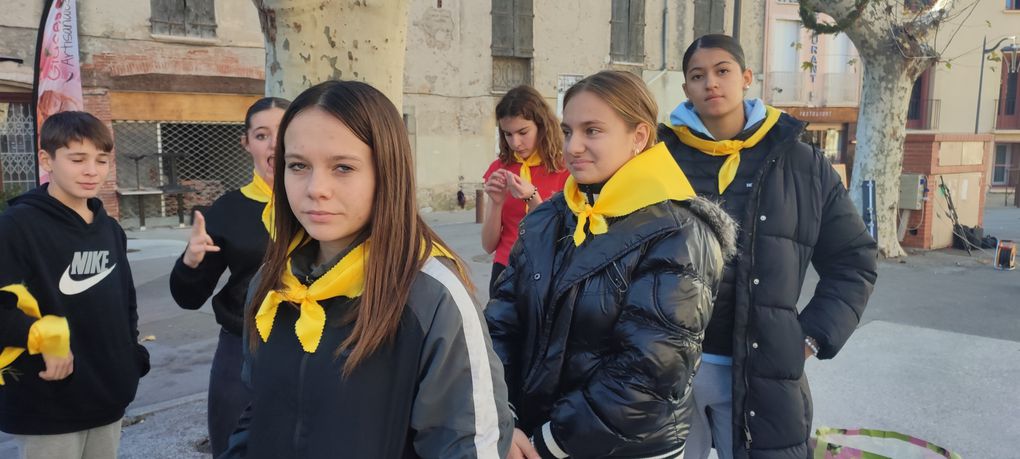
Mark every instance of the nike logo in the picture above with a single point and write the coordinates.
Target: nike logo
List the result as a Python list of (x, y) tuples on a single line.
[(90, 262)]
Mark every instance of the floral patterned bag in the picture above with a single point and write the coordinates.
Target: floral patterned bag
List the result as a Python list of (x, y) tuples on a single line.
[(873, 444)]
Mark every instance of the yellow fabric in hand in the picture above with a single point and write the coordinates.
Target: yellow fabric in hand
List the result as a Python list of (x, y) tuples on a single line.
[(49, 335)]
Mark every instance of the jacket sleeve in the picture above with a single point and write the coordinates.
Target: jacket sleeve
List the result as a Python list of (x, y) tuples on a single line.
[(504, 323), (460, 409), (191, 287), (664, 313), (14, 324), (845, 257), (141, 353)]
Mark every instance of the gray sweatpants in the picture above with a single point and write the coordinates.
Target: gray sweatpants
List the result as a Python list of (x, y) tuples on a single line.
[(713, 418), (98, 443)]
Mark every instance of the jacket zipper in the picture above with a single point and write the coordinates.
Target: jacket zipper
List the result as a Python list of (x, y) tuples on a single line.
[(750, 293), (300, 391)]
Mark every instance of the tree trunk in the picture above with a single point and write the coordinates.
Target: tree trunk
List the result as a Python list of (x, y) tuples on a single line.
[(308, 42), (881, 130), (894, 51)]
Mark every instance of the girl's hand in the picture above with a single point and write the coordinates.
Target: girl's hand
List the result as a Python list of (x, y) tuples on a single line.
[(519, 188), (496, 187), (521, 447), (199, 243)]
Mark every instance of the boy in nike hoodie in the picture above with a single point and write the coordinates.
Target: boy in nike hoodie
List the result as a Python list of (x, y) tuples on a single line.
[(67, 298)]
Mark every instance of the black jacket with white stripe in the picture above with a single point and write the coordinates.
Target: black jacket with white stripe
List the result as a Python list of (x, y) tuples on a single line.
[(600, 342), (433, 391)]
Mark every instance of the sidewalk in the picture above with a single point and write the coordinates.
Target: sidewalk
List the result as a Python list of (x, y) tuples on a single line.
[(937, 354)]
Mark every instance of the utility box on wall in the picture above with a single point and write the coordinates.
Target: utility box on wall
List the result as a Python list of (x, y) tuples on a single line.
[(960, 161), (912, 191)]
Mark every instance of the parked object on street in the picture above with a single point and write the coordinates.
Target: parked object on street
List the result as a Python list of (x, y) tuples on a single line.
[(1005, 255), (873, 444)]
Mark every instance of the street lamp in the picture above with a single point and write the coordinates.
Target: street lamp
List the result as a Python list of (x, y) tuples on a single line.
[(981, 78)]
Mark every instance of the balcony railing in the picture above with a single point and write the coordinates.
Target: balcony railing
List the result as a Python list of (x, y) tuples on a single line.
[(841, 88), (785, 87)]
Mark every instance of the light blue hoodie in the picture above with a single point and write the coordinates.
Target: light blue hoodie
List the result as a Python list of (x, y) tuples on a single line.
[(684, 115)]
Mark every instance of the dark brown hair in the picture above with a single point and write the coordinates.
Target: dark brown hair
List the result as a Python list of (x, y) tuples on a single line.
[(626, 94), (400, 240), (719, 41), (262, 105), (60, 129), (526, 102)]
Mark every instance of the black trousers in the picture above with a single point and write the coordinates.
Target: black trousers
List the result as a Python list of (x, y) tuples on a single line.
[(228, 396)]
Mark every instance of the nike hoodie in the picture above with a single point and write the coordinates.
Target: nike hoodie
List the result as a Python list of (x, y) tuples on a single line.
[(79, 271)]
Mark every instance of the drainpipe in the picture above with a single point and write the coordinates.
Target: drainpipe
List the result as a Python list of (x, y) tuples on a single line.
[(736, 20)]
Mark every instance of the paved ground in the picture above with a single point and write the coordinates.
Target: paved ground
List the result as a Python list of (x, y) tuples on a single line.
[(937, 355)]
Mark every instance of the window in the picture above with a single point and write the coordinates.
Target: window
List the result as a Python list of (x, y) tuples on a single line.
[(627, 31), (512, 47), (184, 18), (920, 107), (1000, 170), (1013, 4), (784, 63), (1007, 113)]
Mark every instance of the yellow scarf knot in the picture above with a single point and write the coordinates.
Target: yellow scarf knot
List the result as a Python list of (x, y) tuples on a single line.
[(345, 279), (527, 164), (729, 148), (650, 177)]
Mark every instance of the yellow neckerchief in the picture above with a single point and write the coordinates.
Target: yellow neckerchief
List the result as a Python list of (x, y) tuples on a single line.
[(49, 334), (729, 148), (649, 178), (526, 165), (260, 191), (345, 279)]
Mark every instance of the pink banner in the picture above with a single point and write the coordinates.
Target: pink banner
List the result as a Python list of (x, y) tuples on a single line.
[(58, 74)]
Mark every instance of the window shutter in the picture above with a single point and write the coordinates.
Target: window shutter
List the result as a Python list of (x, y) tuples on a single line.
[(523, 28), (636, 35), (618, 36), (503, 28)]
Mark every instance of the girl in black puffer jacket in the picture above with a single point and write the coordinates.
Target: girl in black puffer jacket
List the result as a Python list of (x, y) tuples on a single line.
[(598, 318), (752, 394)]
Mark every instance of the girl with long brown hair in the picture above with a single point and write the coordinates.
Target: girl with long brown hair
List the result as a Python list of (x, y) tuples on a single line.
[(364, 340), (528, 171)]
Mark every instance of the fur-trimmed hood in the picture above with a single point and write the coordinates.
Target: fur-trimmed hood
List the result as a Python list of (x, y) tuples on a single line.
[(724, 227)]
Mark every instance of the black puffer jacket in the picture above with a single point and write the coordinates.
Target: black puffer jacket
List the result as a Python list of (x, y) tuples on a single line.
[(600, 342), (798, 213)]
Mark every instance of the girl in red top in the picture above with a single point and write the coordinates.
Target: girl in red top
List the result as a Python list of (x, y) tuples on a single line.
[(528, 171)]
